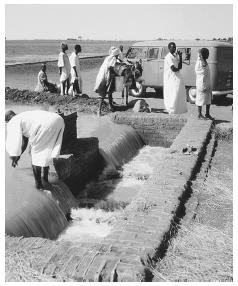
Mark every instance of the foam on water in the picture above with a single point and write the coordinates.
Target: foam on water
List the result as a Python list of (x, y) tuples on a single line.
[(115, 187), (89, 225), (119, 184)]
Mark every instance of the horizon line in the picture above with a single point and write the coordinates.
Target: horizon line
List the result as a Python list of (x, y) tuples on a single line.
[(115, 40)]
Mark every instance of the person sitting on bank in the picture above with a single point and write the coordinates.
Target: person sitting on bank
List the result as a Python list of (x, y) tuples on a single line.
[(203, 84), (64, 69), (43, 85), (44, 132), (76, 80)]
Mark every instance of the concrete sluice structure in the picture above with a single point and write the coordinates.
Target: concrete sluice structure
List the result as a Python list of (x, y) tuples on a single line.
[(143, 225)]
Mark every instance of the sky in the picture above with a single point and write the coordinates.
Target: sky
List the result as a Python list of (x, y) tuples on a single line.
[(118, 22)]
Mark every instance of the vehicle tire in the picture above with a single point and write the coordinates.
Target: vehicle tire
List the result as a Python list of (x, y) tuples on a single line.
[(191, 94), (159, 92), (140, 92)]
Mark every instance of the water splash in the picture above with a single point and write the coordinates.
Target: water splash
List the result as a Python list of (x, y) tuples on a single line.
[(89, 225), (118, 143)]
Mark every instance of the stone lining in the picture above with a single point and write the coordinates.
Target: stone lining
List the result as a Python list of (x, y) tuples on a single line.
[(147, 222), (154, 129)]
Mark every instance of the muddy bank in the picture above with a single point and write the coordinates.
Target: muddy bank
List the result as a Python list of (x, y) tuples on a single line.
[(65, 104)]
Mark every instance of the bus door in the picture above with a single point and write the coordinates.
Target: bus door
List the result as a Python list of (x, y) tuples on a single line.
[(187, 69), (151, 67)]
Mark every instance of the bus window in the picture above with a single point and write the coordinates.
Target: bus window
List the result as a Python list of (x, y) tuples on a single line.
[(186, 54), (165, 51), (153, 53), (134, 53)]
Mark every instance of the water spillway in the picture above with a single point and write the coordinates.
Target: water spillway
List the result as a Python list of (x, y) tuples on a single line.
[(31, 213), (98, 203), (117, 143)]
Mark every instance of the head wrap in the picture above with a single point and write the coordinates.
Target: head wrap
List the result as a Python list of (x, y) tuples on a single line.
[(115, 52), (111, 49), (64, 46)]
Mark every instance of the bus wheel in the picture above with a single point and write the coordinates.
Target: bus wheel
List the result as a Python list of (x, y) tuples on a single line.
[(191, 94), (139, 91), (159, 92)]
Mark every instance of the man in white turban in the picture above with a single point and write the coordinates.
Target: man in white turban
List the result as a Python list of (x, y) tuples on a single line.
[(44, 132), (105, 81)]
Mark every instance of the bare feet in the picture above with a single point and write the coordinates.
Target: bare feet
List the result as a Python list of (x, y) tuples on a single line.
[(208, 116), (46, 184), (201, 117)]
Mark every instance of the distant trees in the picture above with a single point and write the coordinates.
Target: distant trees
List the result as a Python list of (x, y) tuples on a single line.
[(229, 39)]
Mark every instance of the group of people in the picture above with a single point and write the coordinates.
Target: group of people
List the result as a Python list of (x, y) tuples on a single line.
[(175, 100), (44, 130), (69, 70), (174, 88)]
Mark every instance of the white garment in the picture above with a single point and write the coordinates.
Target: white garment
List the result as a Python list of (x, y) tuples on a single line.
[(203, 83), (74, 62), (40, 78), (64, 63), (44, 130), (109, 61), (174, 87)]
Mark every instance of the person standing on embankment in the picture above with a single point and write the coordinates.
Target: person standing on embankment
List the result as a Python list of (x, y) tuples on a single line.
[(44, 131), (64, 69), (76, 80), (203, 84), (105, 81), (174, 88)]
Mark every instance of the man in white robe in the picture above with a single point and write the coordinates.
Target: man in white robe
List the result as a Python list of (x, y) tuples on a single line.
[(64, 69), (174, 88), (105, 81), (44, 132), (76, 80)]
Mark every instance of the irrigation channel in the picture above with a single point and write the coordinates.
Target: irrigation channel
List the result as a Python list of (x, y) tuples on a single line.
[(129, 163)]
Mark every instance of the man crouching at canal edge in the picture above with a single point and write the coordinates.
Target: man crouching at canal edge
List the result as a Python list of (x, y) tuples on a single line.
[(44, 132)]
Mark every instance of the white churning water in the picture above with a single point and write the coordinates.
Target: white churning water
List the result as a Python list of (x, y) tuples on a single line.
[(92, 225), (120, 182), (89, 225)]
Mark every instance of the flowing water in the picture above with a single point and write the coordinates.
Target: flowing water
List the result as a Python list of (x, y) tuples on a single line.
[(107, 197), (100, 204)]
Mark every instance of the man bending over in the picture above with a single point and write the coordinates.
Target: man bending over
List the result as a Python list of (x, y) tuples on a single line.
[(44, 132)]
